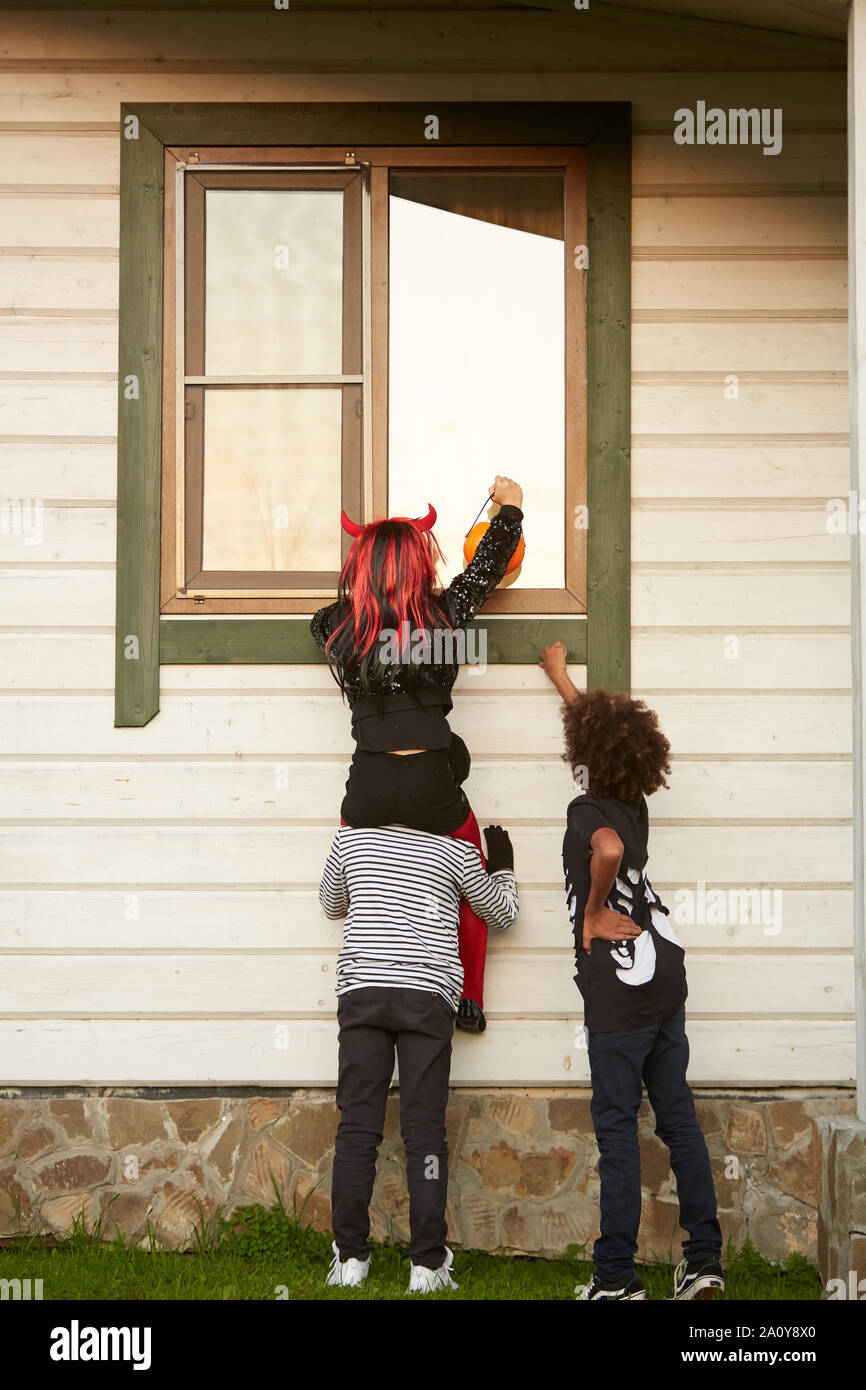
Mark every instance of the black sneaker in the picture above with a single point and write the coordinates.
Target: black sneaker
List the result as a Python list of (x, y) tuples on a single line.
[(594, 1291), (699, 1279), (470, 1018)]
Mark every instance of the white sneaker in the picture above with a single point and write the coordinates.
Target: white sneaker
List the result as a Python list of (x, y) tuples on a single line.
[(423, 1280), (348, 1274)]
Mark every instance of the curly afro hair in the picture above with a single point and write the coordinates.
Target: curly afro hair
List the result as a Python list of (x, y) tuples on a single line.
[(617, 740)]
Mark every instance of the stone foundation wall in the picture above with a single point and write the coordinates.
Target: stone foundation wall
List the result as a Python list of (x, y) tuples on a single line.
[(842, 1207), (523, 1173)]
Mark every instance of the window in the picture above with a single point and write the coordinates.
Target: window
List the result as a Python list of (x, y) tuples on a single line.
[(269, 362), (479, 359), (371, 319), (312, 296)]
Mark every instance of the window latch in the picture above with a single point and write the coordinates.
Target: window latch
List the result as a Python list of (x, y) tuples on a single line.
[(188, 410)]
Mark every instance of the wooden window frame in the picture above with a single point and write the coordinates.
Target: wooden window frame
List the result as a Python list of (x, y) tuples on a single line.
[(150, 143), (263, 593)]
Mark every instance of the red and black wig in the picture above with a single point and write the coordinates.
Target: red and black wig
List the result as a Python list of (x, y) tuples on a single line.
[(387, 586)]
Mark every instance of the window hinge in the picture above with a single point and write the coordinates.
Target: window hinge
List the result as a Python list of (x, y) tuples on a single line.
[(188, 410), (198, 598), (192, 157), (359, 407), (350, 157)]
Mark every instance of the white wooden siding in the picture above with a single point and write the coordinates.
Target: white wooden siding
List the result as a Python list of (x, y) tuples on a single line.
[(251, 1052), (107, 918), (699, 723), (159, 916)]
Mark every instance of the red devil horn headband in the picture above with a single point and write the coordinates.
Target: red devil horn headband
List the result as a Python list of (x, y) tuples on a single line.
[(424, 523)]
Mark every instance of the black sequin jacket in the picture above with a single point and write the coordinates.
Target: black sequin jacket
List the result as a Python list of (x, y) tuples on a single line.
[(409, 708)]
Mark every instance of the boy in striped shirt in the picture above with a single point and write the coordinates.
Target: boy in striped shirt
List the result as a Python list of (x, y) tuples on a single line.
[(399, 982)]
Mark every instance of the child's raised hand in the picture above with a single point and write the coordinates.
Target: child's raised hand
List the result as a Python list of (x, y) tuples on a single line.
[(506, 492), (553, 661)]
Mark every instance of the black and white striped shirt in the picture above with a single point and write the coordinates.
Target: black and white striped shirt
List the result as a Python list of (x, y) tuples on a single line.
[(400, 891)]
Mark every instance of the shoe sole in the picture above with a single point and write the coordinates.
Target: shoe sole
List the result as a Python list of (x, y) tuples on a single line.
[(467, 1025), (630, 1298)]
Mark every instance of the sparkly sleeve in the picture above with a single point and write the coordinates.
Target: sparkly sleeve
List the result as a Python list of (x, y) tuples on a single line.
[(469, 590), (320, 625)]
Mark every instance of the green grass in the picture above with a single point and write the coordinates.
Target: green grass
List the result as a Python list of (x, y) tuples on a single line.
[(260, 1249)]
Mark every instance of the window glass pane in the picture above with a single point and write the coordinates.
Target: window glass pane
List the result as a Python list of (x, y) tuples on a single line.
[(477, 354), (273, 282), (272, 479)]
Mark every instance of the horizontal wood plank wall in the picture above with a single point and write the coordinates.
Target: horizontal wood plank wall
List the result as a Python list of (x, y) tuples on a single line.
[(158, 917)]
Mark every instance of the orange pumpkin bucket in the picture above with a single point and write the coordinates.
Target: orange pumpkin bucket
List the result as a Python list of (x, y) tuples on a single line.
[(470, 545)]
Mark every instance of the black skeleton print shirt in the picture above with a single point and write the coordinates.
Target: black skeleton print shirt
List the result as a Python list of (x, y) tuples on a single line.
[(631, 983)]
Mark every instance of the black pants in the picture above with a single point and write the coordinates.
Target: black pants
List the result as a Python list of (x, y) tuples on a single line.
[(419, 1025), (417, 789), (620, 1063)]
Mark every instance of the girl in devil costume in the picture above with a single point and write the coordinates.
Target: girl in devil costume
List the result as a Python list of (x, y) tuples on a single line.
[(408, 766)]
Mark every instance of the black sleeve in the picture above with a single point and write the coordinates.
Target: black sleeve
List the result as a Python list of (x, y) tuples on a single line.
[(468, 591), (320, 625), (583, 821)]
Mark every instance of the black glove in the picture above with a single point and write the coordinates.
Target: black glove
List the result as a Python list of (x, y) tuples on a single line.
[(500, 851)]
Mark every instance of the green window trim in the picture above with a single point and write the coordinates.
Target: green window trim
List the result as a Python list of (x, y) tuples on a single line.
[(286, 641), (144, 639)]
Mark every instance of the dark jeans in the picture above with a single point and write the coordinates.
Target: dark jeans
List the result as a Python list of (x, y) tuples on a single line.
[(417, 789), (374, 1023), (620, 1063)]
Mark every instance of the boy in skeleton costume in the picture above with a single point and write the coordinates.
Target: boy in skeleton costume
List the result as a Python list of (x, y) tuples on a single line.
[(631, 974)]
